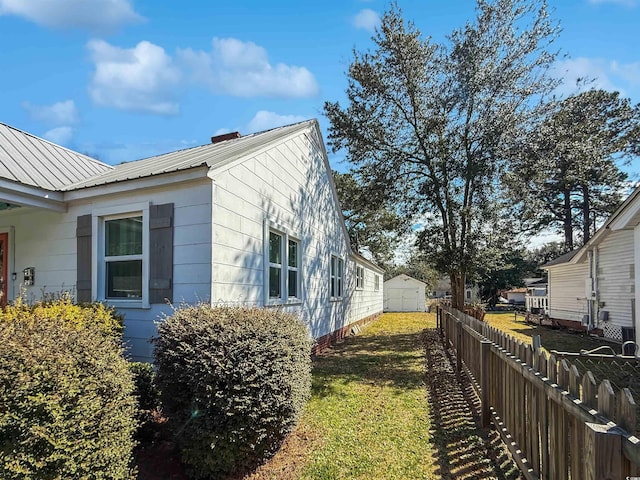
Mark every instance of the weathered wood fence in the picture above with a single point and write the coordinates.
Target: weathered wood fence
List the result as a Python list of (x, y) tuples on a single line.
[(556, 423)]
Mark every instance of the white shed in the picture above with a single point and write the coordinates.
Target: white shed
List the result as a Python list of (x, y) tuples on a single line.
[(404, 294)]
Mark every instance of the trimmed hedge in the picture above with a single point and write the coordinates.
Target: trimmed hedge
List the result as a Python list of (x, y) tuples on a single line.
[(233, 383), (67, 408), (61, 307)]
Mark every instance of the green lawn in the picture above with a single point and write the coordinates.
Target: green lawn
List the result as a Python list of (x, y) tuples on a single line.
[(552, 339), (368, 416)]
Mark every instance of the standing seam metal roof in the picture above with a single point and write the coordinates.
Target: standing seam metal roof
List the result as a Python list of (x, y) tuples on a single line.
[(31, 160), (210, 155)]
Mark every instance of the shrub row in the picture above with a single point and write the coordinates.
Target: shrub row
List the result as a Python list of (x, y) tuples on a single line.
[(233, 383)]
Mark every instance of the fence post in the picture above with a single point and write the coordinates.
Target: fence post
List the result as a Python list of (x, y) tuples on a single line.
[(458, 346), (485, 351), (602, 452)]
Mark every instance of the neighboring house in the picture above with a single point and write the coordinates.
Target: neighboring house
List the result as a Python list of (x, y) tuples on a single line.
[(536, 299), (253, 220), (516, 295), (594, 286), (443, 290), (404, 294)]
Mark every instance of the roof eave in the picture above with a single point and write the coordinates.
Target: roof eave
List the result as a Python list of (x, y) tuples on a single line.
[(17, 193)]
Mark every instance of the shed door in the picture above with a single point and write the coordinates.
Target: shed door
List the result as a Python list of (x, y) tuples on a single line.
[(404, 299)]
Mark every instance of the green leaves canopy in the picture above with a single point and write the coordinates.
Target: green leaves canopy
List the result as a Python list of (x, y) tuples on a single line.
[(427, 124)]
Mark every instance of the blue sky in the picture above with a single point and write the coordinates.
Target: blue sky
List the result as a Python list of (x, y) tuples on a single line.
[(126, 79)]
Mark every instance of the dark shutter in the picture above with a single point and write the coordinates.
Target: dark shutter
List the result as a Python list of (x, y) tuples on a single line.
[(83, 269), (161, 253)]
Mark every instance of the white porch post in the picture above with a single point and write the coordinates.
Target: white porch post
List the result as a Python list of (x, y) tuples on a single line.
[(636, 256)]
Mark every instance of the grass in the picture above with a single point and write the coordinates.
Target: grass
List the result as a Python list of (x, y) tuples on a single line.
[(552, 339), (368, 416), (369, 403)]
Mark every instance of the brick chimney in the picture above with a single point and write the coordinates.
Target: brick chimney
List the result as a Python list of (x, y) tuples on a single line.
[(225, 136)]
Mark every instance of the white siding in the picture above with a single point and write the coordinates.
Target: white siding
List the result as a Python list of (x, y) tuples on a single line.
[(403, 293), (47, 242), (366, 301), (616, 283), (286, 187), (567, 298)]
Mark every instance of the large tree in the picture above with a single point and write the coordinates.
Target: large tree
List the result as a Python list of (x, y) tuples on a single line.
[(426, 124), (370, 223), (568, 172)]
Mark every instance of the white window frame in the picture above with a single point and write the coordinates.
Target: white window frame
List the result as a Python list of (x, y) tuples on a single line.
[(359, 277), (287, 235), (98, 270), (336, 280), (376, 282)]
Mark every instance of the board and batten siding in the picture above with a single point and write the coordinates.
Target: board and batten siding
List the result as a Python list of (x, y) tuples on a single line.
[(285, 187), (567, 299), (616, 281), (47, 242)]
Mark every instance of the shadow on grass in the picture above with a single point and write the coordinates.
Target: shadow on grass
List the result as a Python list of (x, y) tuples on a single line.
[(381, 360), (463, 449)]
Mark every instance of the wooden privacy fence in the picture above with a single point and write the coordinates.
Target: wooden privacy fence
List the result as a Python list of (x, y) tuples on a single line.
[(556, 423)]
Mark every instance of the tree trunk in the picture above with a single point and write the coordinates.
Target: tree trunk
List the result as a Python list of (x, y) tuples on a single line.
[(567, 220), (457, 290), (586, 214)]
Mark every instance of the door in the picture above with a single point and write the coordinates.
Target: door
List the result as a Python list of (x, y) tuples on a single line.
[(4, 267)]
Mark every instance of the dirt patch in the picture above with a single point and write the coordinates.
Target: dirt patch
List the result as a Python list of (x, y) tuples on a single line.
[(463, 449)]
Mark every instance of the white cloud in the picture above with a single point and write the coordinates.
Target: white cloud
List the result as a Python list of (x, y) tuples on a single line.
[(243, 69), (141, 79), (264, 120), (366, 19), (60, 113), (93, 15), (59, 135), (606, 74), (221, 131)]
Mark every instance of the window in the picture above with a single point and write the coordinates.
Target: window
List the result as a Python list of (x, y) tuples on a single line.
[(359, 277), (122, 255), (275, 265), (284, 267), (377, 283), (468, 294), (337, 276), (292, 268)]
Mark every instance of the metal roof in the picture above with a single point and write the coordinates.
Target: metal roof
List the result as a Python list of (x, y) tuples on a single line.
[(31, 160), (209, 155)]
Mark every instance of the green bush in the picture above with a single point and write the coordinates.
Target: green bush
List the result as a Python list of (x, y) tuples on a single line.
[(233, 383), (148, 398), (67, 408), (61, 307)]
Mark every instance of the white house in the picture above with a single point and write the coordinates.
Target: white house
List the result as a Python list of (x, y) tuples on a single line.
[(516, 296), (404, 294), (594, 286), (536, 299), (443, 290), (251, 220)]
